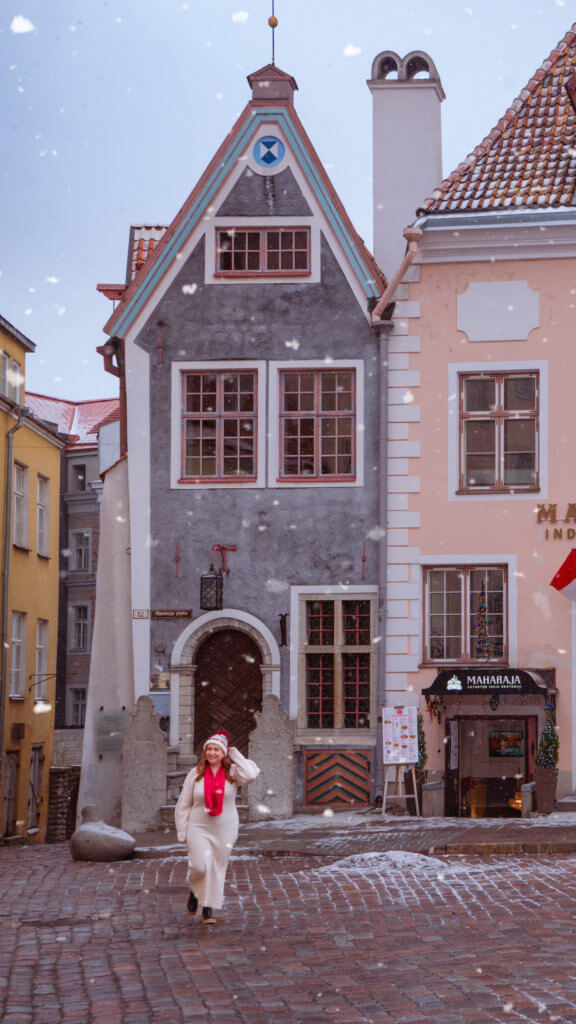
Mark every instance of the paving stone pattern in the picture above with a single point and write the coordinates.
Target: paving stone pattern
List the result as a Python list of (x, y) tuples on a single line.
[(475, 940)]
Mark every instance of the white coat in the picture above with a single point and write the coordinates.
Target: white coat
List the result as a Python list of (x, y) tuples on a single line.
[(210, 839)]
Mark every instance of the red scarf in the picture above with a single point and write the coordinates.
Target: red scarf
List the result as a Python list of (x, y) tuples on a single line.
[(214, 790)]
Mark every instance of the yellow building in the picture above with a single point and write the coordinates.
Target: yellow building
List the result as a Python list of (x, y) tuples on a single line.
[(29, 573)]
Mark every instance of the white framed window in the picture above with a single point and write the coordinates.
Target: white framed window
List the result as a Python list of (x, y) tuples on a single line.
[(316, 424), (333, 661), (218, 424), (466, 614), (80, 551), (20, 506), (78, 706), (4, 369), (15, 380), (79, 627), (41, 659), (18, 655), (499, 427), (500, 450), (43, 515)]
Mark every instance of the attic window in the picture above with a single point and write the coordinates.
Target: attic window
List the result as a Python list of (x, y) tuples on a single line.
[(266, 251)]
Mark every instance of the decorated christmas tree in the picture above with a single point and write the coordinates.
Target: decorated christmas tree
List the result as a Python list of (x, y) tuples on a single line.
[(483, 645), (547, 756), (422, 754)]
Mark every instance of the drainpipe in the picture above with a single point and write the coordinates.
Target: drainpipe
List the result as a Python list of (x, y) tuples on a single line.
[(412, 236), (384, 327), (22, 413)]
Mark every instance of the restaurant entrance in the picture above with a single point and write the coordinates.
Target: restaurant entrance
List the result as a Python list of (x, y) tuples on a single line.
[(495, 757)]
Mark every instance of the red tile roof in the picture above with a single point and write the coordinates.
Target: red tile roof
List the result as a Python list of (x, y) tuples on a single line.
[(528, 159), (143, 241), (79, 420)]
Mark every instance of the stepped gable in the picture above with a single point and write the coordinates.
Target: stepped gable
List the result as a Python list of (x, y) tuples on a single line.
[(529, 158)]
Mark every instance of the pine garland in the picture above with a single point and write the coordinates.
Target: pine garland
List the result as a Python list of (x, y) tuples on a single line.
[(422, 754)]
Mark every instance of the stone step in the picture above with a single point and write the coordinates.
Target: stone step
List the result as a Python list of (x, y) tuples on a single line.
[(567, 805)]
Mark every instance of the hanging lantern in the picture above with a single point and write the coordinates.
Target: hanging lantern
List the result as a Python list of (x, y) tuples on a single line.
[(211, 590)]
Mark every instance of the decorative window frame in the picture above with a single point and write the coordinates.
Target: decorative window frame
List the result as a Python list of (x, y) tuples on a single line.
[(72, 649), (18, 691), (229, 278), (274, 420), (298, 597), (73, 703), (43, 516), (42, 642), (20, 539), (72, 567), (263, 252), (538, 366), (471, 561), (178, 368)]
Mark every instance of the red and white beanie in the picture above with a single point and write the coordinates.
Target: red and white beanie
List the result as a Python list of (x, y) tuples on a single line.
[(219, 739)]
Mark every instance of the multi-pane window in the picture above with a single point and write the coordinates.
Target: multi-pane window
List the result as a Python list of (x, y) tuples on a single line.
[(14, 380), (499, 431), (263, 251), (317, 424), (337, 663), (78, 477), (20, 487), (41, 659), (18, 655), (78, 706), (80, 551), (79, 638), (466, 614), (219, 425), (43, 515), (4, 370)]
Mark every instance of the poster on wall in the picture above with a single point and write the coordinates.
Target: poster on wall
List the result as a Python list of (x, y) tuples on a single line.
[(400, 733)]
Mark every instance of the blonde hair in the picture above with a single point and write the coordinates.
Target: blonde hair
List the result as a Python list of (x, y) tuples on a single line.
[(203, 764)]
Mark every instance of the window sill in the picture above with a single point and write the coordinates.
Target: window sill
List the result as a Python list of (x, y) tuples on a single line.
[(459, 665), (480, 492), (260, 275), (233, 481), (42, 554), (17, 697), (21, 547)]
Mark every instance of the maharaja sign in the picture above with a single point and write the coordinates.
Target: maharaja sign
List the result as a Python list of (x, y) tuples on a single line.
[(555, 517), (492, 680)]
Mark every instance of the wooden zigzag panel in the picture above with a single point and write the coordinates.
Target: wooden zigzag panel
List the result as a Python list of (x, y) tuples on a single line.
[(338, 777)]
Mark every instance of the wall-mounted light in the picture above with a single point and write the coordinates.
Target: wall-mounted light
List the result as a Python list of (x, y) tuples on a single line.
[(494, 701), (212, 581)]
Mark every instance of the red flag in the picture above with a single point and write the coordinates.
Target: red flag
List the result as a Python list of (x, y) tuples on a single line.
[(565, 579)]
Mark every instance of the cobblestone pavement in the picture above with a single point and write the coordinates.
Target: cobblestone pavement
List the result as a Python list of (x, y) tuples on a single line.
[(377, 938)]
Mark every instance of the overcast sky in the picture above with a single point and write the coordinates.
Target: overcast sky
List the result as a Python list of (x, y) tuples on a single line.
[(112, 109)]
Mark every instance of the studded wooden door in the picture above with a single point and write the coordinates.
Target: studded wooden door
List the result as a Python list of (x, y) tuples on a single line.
[(338, 777), (228, 687)]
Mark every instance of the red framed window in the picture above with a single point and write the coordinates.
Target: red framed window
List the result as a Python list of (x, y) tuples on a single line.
[(318, 424), (219, 425), (338, 663), (499, 425), (275, 251)]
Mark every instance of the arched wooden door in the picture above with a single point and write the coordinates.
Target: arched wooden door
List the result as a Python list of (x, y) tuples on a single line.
[(228, 687)]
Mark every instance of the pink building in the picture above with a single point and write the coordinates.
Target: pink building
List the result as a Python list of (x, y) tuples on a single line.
[(481, 492)]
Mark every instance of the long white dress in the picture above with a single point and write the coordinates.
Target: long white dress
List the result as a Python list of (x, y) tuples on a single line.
[(210, 839)]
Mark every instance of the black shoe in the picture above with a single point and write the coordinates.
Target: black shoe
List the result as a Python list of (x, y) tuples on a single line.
[(208, 916), (192, 905)]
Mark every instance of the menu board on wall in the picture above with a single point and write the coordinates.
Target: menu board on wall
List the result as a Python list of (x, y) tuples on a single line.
[(400, 730)]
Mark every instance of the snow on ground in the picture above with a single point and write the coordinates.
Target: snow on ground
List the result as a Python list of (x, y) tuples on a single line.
[(384, 863)]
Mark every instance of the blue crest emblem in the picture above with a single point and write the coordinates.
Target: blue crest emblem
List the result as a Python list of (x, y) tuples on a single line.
[(269, 151)]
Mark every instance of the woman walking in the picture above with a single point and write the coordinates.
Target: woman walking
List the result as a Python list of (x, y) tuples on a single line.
[(207, 820)]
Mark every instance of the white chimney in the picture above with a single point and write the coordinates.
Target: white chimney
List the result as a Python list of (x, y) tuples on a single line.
[(407, 146)]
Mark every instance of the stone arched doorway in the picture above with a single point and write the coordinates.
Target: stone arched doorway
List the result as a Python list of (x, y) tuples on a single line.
[(184, 666), (227, 687)]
